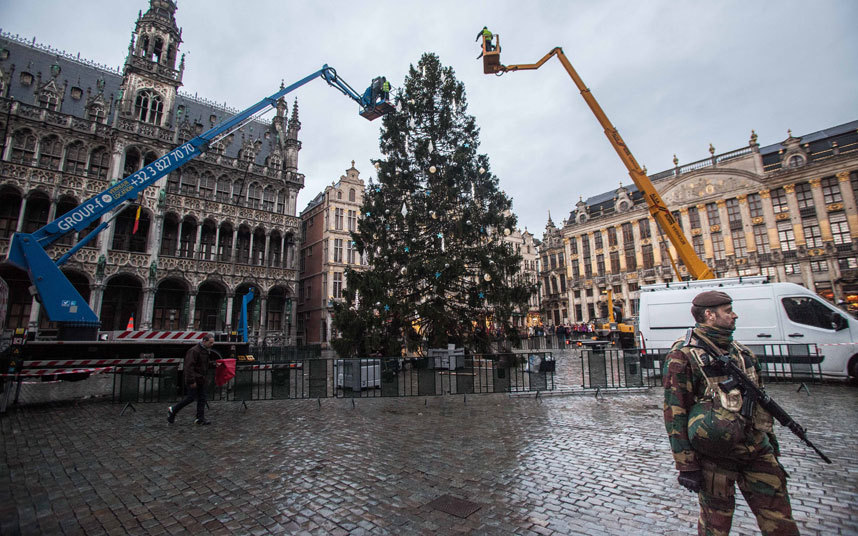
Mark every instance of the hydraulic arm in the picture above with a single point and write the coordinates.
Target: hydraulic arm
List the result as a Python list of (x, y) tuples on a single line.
[(60, 299), (666, 222)]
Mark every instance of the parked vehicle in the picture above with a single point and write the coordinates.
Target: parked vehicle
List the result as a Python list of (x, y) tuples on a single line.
[(769, 314)]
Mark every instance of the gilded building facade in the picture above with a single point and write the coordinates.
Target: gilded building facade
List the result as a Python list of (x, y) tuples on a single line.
[(524, 244), (327, 251), (787, 210), (215, 228), (553, 295)]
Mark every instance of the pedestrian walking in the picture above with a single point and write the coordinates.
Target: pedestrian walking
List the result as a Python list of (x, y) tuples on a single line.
[(196, 368), (714, 447)]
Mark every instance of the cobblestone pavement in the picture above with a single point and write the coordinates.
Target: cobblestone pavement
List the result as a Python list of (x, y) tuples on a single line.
[(548, 465)]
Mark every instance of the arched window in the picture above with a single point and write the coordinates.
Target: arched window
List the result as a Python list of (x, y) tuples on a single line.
[(75, 158), (50, 152), (173, 181), (207, 186), (148, 107), (23, 147), (132, 161), (273, 161), (223, 187), (254, 195), (157, 49), (268, 199), (49, 100), (99, 160), (352, 194), (189, 182), (238, 192)]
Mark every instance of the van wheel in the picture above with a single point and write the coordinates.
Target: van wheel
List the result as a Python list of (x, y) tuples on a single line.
[(853, 368)]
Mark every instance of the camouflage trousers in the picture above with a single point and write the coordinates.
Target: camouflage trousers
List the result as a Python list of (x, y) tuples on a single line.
[(763, 484)]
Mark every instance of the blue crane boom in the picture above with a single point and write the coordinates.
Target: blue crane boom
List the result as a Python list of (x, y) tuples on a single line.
[(61, 301)]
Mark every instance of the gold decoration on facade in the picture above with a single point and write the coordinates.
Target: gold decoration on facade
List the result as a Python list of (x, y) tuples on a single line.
[(696, 232), (714, 228), (789, 188), (834, 207), (814, 182), (782, 216), (765, 194), (842, 176), (757, 221)]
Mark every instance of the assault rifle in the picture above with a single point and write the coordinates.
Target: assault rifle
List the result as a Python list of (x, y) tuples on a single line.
[(753, 395)]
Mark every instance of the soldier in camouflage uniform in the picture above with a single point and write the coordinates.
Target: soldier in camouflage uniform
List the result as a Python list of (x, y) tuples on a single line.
[(714, 447)]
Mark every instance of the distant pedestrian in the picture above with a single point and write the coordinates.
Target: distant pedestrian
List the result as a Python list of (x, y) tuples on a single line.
[(196, 368)]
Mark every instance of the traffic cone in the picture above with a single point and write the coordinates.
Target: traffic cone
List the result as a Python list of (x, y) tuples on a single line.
[(130, 326)]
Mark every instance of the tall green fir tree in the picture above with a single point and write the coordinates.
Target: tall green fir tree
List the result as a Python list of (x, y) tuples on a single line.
[(432, 229)]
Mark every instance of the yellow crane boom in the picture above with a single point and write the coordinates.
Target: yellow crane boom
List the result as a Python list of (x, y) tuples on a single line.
[(657, 208)]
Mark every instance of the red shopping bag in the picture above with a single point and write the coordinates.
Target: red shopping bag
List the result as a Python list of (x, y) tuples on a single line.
[(225, 371)]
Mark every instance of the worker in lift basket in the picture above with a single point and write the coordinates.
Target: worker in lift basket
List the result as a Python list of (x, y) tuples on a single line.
[(486, 34)]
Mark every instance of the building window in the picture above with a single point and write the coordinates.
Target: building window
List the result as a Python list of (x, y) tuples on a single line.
[(207, 186), (562, 284), (615, 262), (254, 195), (573, 245), (769, 271), (281, 202), (839, 228), (694, 217), (812, 233), (148, 107), (50, 152), (612, 236), (576, 271), (712, 214), (352, 194), (238, 194), (786, 236), (99, 160), (643, 225), (352, 219), (849, 263), (831, 190), (268, 197), (628, 235), (350, 252), (338, 219), (23, 147), (755, 205), (631, 260), (818, 266), (734, 215), (223, 187), (75, 158), (699, 248), (96, 113), (188, 182), (718, 246), (338, 250), (779, 201), (338, 285), (740, 246), (49, 101), (561, 259), (803, 195), (597, 238), (646, 253), (600, 264), (761, 239), (792, 269)]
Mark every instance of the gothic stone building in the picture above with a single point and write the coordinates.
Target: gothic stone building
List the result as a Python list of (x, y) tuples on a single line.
[(787, 210), (211, 230)]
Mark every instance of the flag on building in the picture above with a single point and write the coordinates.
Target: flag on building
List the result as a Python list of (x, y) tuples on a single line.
[(137, 219)]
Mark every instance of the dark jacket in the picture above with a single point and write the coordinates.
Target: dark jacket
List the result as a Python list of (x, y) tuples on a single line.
[(197, 365)]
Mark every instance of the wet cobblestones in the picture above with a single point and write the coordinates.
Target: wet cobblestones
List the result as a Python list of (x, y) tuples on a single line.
[(549, 466)]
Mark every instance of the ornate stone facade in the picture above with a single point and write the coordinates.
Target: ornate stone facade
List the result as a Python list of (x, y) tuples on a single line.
[(220, 225), (787, 210)]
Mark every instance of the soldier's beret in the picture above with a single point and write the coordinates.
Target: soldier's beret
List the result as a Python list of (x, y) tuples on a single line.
[(711, 298)]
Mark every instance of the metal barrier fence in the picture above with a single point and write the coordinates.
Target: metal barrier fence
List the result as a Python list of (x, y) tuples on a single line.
[(614, 368), (351, 378)]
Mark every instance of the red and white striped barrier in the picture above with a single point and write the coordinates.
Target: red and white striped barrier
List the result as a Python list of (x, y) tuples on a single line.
[(101, 362), (152, 335), (56, 371)]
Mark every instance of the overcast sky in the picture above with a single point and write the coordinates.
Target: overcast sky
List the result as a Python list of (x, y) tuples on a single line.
[(673, 76)]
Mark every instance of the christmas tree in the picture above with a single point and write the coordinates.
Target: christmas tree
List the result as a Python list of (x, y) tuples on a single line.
[(432, 231)]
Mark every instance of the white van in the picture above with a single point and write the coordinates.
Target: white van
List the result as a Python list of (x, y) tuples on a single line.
[(769, 314)]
